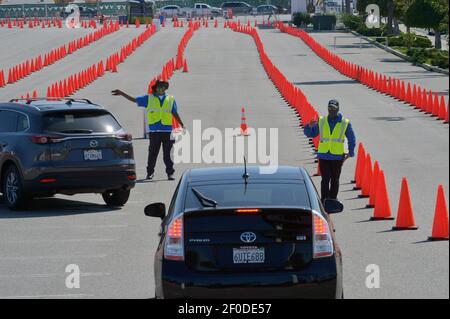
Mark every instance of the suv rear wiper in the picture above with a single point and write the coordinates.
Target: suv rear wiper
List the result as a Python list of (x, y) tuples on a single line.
[(81, 131), (205, 201)]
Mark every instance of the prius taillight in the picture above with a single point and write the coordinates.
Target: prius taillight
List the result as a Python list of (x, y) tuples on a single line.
[(174, 245), (323, 241)]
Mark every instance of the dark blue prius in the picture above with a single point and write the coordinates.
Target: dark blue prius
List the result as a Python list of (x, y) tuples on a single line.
[(233, 232)]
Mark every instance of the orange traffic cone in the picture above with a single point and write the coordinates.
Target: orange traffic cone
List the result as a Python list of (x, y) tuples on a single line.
[(244, 126), (382, 204), (373, 185), (405, 215), (442, 107), (360, 169), (367, 178), (440, 224), (176, 128), (185, 66), (435, 108), (318, 170)]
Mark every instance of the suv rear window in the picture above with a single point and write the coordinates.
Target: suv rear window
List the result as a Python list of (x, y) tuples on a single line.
[(257, 194), (80, 122)]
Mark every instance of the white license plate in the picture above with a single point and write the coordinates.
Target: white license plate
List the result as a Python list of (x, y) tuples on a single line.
[(248, 256), (93, 155)]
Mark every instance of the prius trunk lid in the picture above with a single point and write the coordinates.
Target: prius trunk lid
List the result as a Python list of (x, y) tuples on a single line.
[(248, 239)]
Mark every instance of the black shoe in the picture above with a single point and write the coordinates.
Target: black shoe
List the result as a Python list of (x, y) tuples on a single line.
[(150, 177), (170, 177)]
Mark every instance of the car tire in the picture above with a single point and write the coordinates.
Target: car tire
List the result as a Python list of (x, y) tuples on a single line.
[(116, 198), (14, 195)]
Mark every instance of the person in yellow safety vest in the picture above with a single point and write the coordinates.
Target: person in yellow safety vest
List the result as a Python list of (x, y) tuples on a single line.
[(161, 108), (333, 129)]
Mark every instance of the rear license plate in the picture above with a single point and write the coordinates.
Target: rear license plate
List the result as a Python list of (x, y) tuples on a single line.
[(248, 255), (93, 155)]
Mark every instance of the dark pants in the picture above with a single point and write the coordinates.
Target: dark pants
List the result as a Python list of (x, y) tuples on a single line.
[(156, 139), (331, 172)]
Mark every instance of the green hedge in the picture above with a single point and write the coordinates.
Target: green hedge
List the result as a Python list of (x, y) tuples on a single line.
[(351, 21), (418, 41), (434, 57), (300, 19)]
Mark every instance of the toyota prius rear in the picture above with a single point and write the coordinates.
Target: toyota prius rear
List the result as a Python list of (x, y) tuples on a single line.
[(238, 233)]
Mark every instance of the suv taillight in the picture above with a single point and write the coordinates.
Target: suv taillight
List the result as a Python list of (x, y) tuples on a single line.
[(323, 242), (174, 245), (45, 139)]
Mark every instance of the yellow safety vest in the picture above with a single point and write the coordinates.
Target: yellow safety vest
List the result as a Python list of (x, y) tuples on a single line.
[(332, 142), (160, 113)]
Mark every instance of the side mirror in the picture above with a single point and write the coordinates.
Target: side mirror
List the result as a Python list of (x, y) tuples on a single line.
[(333, 206), (156, 210)]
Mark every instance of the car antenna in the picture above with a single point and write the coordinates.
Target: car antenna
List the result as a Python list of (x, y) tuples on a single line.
[(245, 176)]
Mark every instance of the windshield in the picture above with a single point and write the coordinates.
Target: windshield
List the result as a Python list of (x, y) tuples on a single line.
[(80, 122), (236, 195)]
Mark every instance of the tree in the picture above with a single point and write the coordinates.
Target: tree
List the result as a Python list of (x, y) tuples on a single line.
[(387, 9), (428, 14), (401, 7)]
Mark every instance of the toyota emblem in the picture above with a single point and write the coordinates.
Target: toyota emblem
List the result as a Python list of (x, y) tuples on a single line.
[(93, 143), (248, 237)]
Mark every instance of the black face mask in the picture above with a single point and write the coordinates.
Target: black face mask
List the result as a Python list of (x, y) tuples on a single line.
[(333, 113)]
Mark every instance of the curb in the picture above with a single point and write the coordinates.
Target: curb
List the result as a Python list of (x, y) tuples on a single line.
[(401, 55)]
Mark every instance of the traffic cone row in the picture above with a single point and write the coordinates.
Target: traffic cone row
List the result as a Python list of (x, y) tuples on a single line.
[(30, 22), (75, 82), (119, 57), (374, 187), (24, 69), (78, 81), (422, 99), (369, 179)]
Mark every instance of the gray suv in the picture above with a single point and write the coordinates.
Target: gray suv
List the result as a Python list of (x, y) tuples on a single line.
[(65, 146)]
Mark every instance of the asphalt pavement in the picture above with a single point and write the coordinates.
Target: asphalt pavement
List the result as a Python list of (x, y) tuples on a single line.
[(114, 248), (350, 47)]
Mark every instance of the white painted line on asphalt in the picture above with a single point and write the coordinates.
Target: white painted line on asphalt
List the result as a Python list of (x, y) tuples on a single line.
[(6, 258), (48, 296), (88, 274), (46, 241)]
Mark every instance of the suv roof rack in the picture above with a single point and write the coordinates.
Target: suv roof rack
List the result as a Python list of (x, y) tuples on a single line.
[(68, 100)]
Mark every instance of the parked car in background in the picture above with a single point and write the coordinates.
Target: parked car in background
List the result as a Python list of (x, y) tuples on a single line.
[(267, 9), (237, 7), (171, 11), (202, 10)]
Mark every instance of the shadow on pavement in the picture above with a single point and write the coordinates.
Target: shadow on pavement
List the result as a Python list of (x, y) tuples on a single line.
[(388, 118), (326, 82), (362, 208), (53, 207), (148, 181), (387, 60)]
